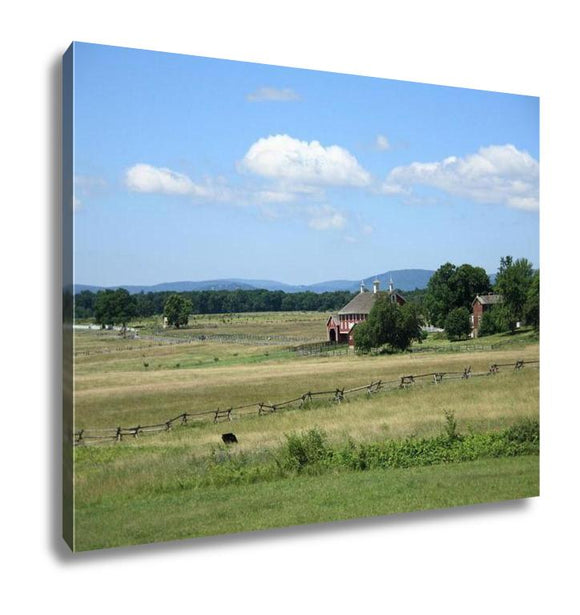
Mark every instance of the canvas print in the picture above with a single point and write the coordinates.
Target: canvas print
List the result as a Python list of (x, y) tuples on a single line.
[(291, 296)]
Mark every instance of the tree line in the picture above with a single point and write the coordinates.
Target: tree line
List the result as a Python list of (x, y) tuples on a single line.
[(119, 307), (446, 303)]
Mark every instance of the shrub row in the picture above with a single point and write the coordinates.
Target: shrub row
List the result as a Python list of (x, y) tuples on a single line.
[(310, 453)]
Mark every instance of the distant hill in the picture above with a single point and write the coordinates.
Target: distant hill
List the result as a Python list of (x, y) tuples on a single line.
[(173, 286), (403, 279)]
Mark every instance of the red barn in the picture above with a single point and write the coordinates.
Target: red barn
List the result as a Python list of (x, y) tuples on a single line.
[(480, 305), (340, 326)]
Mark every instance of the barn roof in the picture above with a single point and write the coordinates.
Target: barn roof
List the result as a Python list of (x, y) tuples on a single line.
[(489, 299), (363, 303)]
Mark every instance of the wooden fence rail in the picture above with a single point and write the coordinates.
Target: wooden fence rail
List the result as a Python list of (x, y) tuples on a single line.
[(87, 436)]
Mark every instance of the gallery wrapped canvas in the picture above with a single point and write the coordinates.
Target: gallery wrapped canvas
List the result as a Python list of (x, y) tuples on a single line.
[(291, 296)]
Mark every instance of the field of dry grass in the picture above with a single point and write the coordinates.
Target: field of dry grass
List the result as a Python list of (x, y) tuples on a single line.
[(113, 386), (309, 325)]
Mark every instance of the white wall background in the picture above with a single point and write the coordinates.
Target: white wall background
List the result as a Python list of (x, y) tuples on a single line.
[(496, 558)]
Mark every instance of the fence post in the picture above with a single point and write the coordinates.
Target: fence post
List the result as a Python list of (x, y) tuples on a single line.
[(306, 397)]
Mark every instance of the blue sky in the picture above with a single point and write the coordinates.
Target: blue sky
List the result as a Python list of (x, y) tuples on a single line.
[(190, 168)]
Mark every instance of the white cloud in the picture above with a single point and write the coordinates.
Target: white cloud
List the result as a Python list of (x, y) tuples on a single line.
[(278, 203), (149, 179), (530, 203), (89, 185), (382, 143), (292, 161), (273, 94), (325, 217), (499, 174), (275, 196), (85, 188), (146, 178)]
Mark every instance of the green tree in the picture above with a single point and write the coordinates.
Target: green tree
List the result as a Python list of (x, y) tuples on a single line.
[(389, 325), (438, 299), (145, 305), (84, 303), (532, 307), (493, 321), (177, 310), (363, 340), (466, 283), (115, 307), (457, 325), (513, 282), (452, 287)]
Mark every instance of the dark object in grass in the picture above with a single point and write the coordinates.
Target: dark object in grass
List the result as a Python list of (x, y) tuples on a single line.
[(229, 438)]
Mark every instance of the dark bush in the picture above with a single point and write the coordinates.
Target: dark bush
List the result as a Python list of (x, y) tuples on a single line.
[(457, 325), (304, 449)]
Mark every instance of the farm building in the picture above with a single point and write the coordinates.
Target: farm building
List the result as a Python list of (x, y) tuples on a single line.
[(340, 326), (480, 305)]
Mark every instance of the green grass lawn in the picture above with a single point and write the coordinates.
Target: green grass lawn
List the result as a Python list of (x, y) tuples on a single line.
[(119, 519), (439, 342)]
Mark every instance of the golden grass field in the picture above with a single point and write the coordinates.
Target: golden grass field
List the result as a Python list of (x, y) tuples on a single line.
[(309, 325), (113, 388), (125, 492)]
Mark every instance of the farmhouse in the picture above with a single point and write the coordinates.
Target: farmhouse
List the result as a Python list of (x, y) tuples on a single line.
[(480, 305), (340, 326)]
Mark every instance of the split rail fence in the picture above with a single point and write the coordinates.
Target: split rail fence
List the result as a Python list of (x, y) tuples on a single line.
[(261, 408)]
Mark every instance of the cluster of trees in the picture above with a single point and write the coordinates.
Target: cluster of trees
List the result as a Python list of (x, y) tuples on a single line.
[(447, 303), (451, 288), (519, 286), (217, 302), (448, 300), (390, 325)]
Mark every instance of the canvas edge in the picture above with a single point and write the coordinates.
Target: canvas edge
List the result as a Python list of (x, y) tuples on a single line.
[(67, 197)]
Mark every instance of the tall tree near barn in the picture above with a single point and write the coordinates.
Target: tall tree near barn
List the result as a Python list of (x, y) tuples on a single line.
[(513, 282), (390, 324), (457, 324), (452, 287), (532, 307)]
